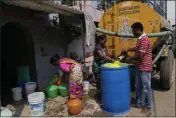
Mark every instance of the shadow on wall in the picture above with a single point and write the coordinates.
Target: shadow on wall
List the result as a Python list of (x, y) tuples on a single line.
[(76, 46), (48, 43)]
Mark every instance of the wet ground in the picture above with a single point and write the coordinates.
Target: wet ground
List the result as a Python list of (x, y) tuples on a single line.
[(163, 100), (163, 103)]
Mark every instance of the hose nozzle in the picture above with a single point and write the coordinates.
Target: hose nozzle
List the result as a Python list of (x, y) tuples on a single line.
[(121, 57)]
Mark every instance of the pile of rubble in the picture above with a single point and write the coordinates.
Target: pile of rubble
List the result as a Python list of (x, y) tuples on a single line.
[(57, 107), (90, 107)]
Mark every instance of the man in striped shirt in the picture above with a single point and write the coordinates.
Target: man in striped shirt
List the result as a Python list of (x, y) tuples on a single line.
[(143, 60)]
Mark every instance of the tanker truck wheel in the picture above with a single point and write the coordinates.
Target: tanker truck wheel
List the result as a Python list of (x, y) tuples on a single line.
[(167, 71)]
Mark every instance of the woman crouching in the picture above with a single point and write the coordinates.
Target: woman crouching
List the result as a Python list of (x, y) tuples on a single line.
[(75, 72)]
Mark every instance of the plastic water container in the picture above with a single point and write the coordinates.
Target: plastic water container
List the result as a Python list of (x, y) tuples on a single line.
[(30, 87), (6, 113), (22, 85), (63, 89), (17, 93), (52, 91), (86, 85), (115, 88), (36, 103), (23, 74)]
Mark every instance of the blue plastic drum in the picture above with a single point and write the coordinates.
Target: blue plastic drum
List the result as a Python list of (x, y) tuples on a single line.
[(115, 88)]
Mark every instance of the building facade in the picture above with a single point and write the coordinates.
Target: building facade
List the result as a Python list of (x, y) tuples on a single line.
[(28, 37), (87, 6), (82, 2), (159, 6)]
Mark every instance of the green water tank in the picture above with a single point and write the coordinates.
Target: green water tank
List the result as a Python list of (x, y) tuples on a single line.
[(52, 91), (63, 89), (23, 74)]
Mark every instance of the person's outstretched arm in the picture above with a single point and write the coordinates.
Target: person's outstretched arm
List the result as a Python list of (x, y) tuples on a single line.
[(132, 49), (103, 56)]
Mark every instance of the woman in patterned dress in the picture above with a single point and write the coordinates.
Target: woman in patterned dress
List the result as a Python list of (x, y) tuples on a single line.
[(101, 57), (74, 69)]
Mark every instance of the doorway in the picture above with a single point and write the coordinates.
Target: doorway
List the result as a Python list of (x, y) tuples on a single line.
[(17, 49)]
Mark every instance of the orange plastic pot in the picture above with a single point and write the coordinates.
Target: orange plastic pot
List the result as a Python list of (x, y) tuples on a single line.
[(74, 106)]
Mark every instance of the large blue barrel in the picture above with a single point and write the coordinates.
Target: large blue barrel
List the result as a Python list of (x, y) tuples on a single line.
[(115, 88)]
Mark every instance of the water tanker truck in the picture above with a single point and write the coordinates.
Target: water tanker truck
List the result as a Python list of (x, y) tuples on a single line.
[(116, 23), (174, 29)]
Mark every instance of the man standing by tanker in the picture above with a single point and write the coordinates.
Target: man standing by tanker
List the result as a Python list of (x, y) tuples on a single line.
[(143, 61)]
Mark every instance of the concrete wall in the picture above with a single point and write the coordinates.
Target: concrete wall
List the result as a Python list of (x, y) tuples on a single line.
[(50, 39), (76, 46), (83, 2), (96, 14)]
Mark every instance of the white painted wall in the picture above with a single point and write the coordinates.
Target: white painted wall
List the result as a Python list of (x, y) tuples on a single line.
[(96, 14), (51, 41), (75, 46), (171, 11), (83, 2)]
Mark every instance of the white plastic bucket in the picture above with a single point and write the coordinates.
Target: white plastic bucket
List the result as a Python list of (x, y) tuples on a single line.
[(17, 93), (86, 85), (6, 113), (36, 103), (30, 87)]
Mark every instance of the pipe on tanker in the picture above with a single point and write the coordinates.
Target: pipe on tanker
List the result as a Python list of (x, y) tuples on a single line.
[(159, 34), (159, 54)]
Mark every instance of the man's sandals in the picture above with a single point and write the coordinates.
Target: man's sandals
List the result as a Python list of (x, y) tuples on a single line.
[(146, 111)]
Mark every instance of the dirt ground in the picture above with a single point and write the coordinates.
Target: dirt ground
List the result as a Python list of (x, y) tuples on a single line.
[(163, 101), (163, 104)]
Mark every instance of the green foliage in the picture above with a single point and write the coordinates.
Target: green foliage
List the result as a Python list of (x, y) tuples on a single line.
[(74, 31), (70, 30), (67, 2), (101, 4)]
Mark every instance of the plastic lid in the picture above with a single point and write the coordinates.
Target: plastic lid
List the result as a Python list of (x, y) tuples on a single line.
[(116, 62), (114, 65), (6, 112), (30, 83), (36, 97), (105, 65), (16, 88), (19, 89)]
